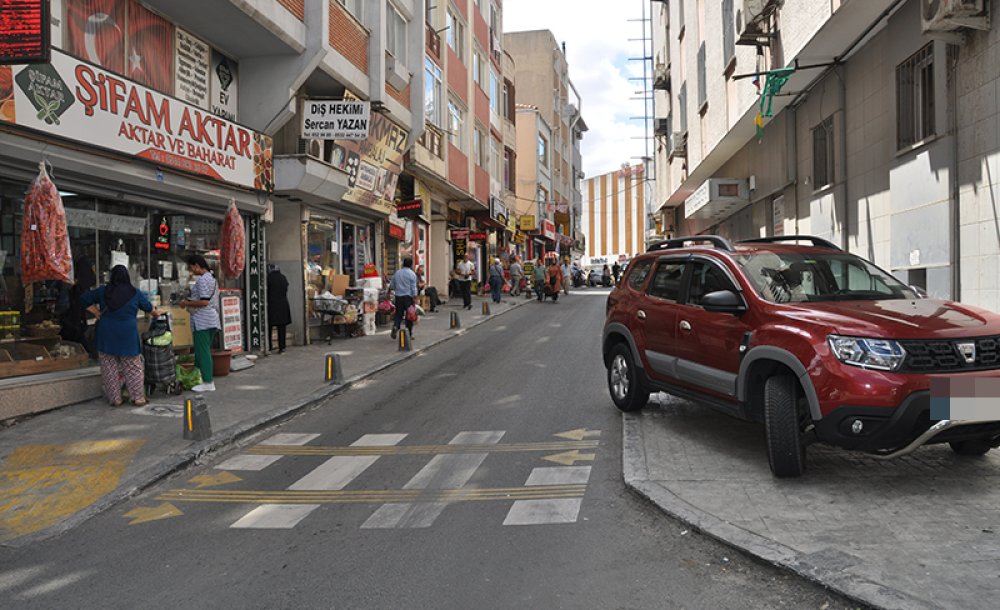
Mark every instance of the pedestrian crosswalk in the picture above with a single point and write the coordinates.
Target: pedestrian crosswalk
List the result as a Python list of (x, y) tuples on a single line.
[(550, 494)]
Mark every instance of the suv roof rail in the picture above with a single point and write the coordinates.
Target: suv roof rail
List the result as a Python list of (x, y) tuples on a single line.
[(819, 242), (678, 242)]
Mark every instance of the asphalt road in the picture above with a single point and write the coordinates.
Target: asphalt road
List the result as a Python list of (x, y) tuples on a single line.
[(449, 504)]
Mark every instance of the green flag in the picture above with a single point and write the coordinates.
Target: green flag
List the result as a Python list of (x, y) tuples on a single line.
[(775, 80)]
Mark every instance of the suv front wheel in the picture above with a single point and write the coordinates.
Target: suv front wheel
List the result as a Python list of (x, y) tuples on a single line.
[(627, 390), (786, 449)]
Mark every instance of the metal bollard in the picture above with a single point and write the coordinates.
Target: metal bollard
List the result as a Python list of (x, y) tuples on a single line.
[(486, 308), (334, 371), (405, 343), (197, 424), (455, 322)]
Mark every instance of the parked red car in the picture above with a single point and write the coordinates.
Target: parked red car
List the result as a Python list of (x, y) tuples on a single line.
[(816, 343)]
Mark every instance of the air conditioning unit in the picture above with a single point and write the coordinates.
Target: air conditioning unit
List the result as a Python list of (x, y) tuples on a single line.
[(395, 72), (751, 22), (661, 77), (678, 144), (311, 147), (661, 126), (949, 15)]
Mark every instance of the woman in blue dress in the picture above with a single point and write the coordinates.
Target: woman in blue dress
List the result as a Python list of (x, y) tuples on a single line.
[(116, 306)]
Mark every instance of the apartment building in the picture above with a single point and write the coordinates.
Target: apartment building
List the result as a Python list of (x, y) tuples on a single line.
[(549, 133), (614, 215), (883, 139)]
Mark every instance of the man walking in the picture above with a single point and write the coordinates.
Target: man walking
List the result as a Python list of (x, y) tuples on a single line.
[(404, 286), (616, 270), (567, 274), (539, 279), (465, 269), (516, 274), (203, 303)]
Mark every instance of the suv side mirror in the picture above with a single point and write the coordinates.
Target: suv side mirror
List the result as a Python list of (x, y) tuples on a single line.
[(920, 291), (723, 301)]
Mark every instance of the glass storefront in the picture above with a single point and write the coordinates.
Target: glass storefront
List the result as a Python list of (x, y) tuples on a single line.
[(336, 253), (153, 244)]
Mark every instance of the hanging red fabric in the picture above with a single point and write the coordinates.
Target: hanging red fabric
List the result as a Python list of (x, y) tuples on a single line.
[(45, 250), (233, 252)]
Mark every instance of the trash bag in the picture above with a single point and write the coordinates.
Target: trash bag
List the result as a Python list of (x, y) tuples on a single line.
[(188, 378), (233, 251), (45, 251)]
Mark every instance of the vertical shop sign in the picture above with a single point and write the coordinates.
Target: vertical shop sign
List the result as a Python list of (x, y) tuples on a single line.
[(191, 69), (161, 239), (232, 320), (255, 288), (224, 87)]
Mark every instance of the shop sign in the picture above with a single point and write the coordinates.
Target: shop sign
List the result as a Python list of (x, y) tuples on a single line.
[(527, 222), (224, 87), (373, 165), (231, 302), (72, 99), (478, 236), (162, 241), (397, 232), (459, 245), (113, 223), (498, 211), (191, 61), (255, 284), (519, 238), (330, 120), (410, 209), (548, 229), (24, 32)]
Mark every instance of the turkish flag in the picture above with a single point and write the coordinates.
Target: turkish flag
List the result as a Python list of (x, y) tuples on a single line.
[(150, 58), (96, 31)]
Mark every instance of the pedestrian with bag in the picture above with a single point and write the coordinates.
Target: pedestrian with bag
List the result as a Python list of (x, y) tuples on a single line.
[(404, 287), (279, 313), (115, 305), (538, 279), (516, 276), (553, 279), (496, 280), (464, 271), (203, 304)]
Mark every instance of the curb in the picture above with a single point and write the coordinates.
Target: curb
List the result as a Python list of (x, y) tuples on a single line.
[(177, 462), (824, 568)]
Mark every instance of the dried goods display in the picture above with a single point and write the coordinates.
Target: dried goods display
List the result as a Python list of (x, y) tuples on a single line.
[(233, 252), (45, 251)]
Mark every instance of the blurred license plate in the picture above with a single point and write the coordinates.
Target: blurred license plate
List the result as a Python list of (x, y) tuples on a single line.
[(965, 398)]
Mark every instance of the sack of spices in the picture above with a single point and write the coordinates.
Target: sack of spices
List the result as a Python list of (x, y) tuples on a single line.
[(45, 251), (233, 251)]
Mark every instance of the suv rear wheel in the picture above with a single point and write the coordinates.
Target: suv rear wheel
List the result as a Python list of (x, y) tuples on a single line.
[(973, 447), (786, 450), (627, 390)]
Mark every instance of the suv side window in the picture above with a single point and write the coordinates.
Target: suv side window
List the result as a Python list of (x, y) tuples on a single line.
[(640, 271), (707, 278), (666, 282)]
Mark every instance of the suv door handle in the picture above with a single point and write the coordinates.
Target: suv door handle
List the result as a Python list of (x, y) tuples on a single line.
[(685, 325), (641, 315)]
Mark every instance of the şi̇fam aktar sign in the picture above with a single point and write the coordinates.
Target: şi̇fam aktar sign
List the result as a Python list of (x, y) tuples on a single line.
[(79, 101)]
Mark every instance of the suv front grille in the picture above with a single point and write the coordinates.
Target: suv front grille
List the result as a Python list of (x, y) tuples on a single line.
[(945, 356)]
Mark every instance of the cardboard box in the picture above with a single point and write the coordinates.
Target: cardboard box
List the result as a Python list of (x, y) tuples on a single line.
[(180, 326), (339, 284)]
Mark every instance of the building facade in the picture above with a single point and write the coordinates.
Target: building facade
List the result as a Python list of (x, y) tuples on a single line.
[(549, 133), (614, 217), (882, 139)]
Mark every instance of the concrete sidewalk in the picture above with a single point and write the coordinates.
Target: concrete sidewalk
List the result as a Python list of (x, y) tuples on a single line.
[(915, 532), (59, 468)]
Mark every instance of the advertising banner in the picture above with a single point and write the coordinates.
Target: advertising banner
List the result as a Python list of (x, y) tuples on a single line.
[(329, 120), (72, 99), (527, 222), (191, 69), (224, 87), (548, 229), (231, 302)]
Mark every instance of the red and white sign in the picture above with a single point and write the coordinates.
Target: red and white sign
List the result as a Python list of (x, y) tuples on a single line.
[(232, 321), (548, 229), (79, 101)]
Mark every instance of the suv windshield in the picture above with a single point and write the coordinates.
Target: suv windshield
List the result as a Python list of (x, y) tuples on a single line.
[(796, 277)]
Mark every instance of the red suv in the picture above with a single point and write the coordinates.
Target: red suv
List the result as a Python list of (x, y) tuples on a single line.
[(816, 343)]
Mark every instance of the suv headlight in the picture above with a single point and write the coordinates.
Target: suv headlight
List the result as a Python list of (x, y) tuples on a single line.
[(878, 354)]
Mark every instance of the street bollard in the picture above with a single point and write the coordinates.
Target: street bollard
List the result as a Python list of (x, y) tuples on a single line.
[(455, 322), (334, 371), (197, 424), (405, 343), (486, 308)]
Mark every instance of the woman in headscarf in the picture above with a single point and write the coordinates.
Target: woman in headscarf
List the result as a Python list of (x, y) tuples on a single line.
[(116, 306), (279, 314), (73, 315)]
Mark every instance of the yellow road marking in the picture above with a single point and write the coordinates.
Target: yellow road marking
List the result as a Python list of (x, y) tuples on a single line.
[(418, 449), (145, 514), (40, 485), (211, 480), (385, 496), (579, 434), (569, 458)]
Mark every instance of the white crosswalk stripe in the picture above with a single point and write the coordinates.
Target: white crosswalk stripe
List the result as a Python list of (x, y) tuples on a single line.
[(442, 472), (275, 516), (260, 462), (543, 512)]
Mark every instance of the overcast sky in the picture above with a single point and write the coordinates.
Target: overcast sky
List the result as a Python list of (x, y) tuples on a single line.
[(596, 33)]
